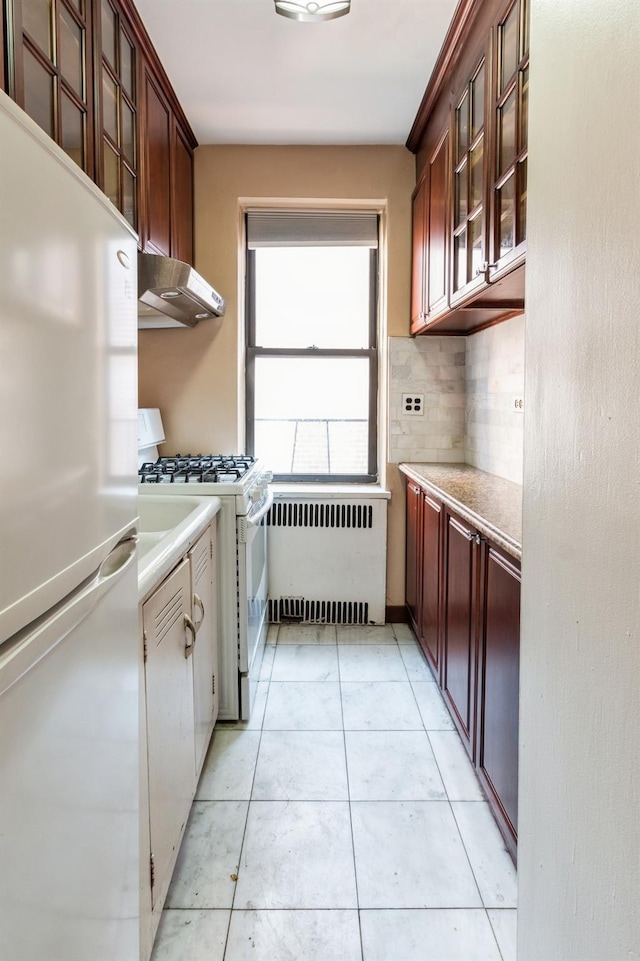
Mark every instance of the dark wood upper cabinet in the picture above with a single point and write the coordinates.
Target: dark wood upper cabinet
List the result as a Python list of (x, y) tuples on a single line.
[(438, 224), (430, 225), (156, 236), (117, 136), (479, 93), (419, 255), (510, 123), (49, 50), (3, 50), (182, 197), (87, 73), (168, 176), (469, 223)]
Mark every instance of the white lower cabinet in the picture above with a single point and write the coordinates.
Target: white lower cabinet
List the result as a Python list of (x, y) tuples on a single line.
[(202, 562), (169, 635), (179, 630)]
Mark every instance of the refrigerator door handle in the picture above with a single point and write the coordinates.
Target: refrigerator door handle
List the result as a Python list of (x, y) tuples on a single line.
[(115, 563), (37, 640)]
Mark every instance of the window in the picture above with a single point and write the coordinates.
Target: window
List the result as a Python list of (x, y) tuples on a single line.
[(312, 359)]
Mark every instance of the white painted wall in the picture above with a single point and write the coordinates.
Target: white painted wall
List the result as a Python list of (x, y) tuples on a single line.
[(579, 860)]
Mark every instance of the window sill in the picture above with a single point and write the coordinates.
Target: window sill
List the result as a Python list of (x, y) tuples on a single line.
[(293, 489)]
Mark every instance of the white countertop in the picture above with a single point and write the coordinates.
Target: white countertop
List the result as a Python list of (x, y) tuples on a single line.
[(161, 549)]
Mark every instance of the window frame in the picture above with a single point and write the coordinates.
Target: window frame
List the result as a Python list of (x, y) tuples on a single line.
[(254, 351)]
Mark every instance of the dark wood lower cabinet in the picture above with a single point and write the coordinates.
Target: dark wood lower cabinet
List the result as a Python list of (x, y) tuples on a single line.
[(413, 559), (463, 600), (431, 581), (498, 690), (423, 571), (460, 606)]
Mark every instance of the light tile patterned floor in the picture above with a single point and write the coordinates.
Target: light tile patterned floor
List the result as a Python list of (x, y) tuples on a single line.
[(350, 815)]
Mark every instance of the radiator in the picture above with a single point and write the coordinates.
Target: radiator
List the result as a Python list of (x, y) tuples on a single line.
[(327, 560)]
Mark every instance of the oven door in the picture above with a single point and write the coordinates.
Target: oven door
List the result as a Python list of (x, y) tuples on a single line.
[(252, 600)]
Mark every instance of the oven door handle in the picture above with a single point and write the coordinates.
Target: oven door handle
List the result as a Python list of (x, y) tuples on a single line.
[(254, 519)]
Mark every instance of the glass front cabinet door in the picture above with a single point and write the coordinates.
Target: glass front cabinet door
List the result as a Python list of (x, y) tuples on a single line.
[(469, 232), (510, 118), (117, 144), (49, 70)]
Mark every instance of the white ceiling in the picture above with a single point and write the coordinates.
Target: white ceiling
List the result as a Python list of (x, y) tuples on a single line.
[(243, 74)]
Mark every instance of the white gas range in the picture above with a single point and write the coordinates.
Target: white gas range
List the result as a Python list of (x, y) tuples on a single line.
[(243, 487)]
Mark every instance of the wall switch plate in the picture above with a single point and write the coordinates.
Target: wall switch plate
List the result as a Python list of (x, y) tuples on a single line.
[(412, 405), (518, 405)]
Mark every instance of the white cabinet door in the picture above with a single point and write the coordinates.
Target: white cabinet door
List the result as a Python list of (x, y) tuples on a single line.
[(170, 713), (205, 656)]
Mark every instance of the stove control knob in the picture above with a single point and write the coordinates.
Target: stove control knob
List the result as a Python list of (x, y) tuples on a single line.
[(255, 495), (266, 476)]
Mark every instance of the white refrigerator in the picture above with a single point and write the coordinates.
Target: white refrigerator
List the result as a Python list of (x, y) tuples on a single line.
[(68, 562)]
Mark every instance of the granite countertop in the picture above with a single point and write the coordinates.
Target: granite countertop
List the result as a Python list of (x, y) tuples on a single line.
[(491, 504)]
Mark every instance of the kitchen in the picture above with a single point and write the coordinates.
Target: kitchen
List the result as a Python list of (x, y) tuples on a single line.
[(579, 437)]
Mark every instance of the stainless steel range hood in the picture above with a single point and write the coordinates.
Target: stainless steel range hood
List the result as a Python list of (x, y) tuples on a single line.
[(172, 294)]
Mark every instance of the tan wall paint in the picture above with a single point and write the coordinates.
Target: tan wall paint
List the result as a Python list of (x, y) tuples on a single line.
[(194, 376)]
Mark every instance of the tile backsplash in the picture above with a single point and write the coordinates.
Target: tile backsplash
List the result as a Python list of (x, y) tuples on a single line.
[(433, 367), (469, 385), (494, 378)]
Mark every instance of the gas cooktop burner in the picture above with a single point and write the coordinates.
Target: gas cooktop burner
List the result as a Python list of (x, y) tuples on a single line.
[(196, 469)]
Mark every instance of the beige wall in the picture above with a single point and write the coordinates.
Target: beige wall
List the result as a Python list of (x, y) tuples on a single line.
[(193, 376)]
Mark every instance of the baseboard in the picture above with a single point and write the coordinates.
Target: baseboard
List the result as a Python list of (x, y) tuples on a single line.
[(396, 614)]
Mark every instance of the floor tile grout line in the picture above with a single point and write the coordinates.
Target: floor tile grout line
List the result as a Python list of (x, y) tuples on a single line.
[(344, 730), (483, 798), (339, 800), (466, 854), (465, 846), (353, 843), (246, 820), (493, 930), (362, 910)]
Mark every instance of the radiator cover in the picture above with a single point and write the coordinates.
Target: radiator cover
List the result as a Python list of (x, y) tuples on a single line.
[(327, 560)]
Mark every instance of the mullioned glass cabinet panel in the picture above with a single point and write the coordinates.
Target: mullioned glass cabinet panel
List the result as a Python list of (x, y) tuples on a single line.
[(119, 112), (54, 61), (468, 213), (511, 104)]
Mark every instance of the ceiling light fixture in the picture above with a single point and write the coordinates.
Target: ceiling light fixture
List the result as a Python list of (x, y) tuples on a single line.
[(313, 11)]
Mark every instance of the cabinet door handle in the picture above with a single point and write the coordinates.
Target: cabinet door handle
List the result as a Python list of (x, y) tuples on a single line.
[(473, 536), (191, 628), (485, 268), (199, 604)]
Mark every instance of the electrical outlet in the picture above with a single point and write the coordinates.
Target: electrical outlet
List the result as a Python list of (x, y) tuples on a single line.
[(412, 405), (518, 405)]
